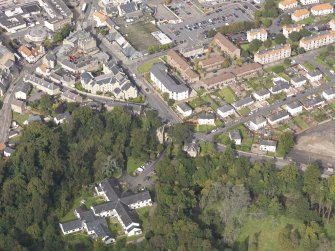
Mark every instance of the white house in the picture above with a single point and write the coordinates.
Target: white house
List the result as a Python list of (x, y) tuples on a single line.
[(322, 9), (308, 2), (236, 137), (294, 108), (159, 75), (184, 109), (206, 119), (314, 76), (7, 152), (329, 94), (261, 95), (243, 103), (298, 81), (332, 24), (268, 146), (288, 4), (61, 118), (260, 34), (225, 111), (257, 123), (100, 19), (278, 117), (23, 91)]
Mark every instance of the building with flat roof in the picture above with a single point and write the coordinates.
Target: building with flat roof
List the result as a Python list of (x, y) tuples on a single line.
[(227, 46), (163, 81)]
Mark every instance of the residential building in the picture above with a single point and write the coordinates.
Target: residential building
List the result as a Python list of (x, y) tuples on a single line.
[(309, 2), (288, 4), (33, 54), (6, 57), (129, 10), (322, 9), (192, 149), (58, 12), (212, 63), (329, 94), (314, 76), (273, 55), (227, 46), (13, 23), (160, 77), (294, 108), (312, 103), (117, 205), (244, 102), (32, 118), (268, 146), (288, 29), (261, 95), (99, 19), (62, 117), (184, 109), (42, 84), (18, 106), (7, 152), (278, 117), (120, 86), (279, 87), (23, 91), (257, 123), (177, 61), (190, 50), (236, 137), (332, 24), (247, 71), (260, 34), (43, 69), (225, 111), (206, 119), (298, 81), (300, 14), (317, 40), (70, 96), (220, 80)]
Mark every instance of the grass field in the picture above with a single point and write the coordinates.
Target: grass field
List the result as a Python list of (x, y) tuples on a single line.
[(298, 120), (19, 118), (267, 230), (244, 111), (132, 165), (146, 67), (246, 139), (197, 102), (227, 94), (139, 33)]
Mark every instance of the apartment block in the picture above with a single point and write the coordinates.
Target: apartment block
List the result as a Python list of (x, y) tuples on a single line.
[(260, 34), (288, 4), (273, 55), (299, 15), (318, 40), (322, 9), (288, 29)]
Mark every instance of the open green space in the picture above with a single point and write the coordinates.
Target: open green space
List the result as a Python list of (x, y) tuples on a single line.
[(146, 67), (258, 84), (267, 230), (299, 121), (227, 94), (139, 33), (319, 115), (19, 118), (197, 102), (213, 104), (133, 164), (275, 69), (308, 66), (247, 139), (143, 214)]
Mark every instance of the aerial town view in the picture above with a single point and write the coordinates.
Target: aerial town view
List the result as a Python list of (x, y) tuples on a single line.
[(130, 125)]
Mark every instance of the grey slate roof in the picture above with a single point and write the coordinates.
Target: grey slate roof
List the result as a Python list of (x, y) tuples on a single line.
[(184, 107), (126, 215), (330, 91), (135, 198), (225, 108), (243, 102), (314, 73), (299, 79), (235, 135), (294, 105), (25, 88), (111, 188), (268, 142), (159, 70), (71, 225), (128, 7), (262, 92), (206, 116), (278, 115), (258, 120)]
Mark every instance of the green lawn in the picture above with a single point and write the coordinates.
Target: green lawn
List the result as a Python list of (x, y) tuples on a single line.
[(267, 230), (276, 68), (204, 128), (147, 65), (244, 111), (298, 120), (227, 94), (247, 139), (308, 66), (212, 102), (197, 102), (19, 118), (319, 115), (133, 164), (284, 76)]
